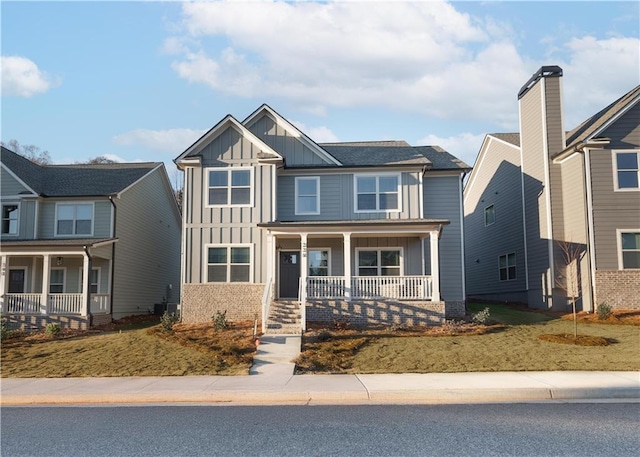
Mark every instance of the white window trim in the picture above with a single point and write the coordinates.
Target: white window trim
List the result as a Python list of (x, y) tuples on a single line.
[(205, 261), (74, 235), (229, 187), (376, 175), (378, 249), (619, 233), (64, 279), (507, 267), (8, 203), (307, 178), (99, 279), (328, 259), (614, 167), (484, 215)]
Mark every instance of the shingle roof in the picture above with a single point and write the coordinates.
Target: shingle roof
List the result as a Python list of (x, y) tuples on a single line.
[(511, 138), (376, 153), (75, 242), (77, 180)]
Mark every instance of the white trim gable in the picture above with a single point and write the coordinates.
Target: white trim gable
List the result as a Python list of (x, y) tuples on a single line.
[(17, 178)]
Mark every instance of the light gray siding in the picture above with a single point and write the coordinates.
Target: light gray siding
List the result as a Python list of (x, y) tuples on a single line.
[(497, 182), (26, 218), (442, 200), (101, 218), (147, 256), (411, 256), (9, 186)]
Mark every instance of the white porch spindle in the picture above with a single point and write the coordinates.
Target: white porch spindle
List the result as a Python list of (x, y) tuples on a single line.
[(86, 280), (435, 267), (347, 265), (46, 273), (4, 272)]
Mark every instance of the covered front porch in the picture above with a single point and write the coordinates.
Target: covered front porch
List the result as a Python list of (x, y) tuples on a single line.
[(381, 261), (56, 278)]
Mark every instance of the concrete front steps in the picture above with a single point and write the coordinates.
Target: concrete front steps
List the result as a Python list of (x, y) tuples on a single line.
[(276, 355), (284, 318)]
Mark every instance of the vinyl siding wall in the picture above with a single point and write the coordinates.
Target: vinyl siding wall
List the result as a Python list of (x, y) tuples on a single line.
[(101, 218), (9, 186)]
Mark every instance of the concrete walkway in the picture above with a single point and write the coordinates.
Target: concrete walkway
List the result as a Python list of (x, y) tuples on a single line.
[(285, 388), (275, 355)]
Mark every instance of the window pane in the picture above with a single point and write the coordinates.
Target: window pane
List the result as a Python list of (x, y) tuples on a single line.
[(10, 212), (65, 227), (503, 274), (390, 258), (390, 271), (65, 212), (627, 161), (627, 179), (83, 227), (84, 212), (388, 201), (631, 241), (318, 259), (367, 271), (218, 196), (241, 178), (57, 277), (307, 187), (367, 201), (217, 273), (631, 259), (56, 288), (218, 255), (319, 271), (503, 261), (388, 184), (511, 260), (240, 255), (366, 184), (512, 272), (368, 258), (489, 215), (307, 205), (240, 196), (239, 273), (93, 288), (10, 227), (94, 276), (218, 178)]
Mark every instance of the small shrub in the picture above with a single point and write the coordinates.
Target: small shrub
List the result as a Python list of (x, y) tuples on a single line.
[(481, 317), (220, 321), (52, 329), (167, 320), (603, 311), (4, 330), (323, 336), (341, 324)]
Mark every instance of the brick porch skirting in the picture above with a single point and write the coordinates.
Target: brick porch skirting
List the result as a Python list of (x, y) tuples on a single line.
[(618, 288), (241, 301), (39, 321)]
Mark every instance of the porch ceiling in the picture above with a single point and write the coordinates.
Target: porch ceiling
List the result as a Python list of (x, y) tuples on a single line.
[(54, 245), (419, 227)]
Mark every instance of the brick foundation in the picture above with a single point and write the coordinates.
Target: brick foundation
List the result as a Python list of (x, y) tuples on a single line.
[(618, 288), (38, 321), (240, 300), (100, 319)]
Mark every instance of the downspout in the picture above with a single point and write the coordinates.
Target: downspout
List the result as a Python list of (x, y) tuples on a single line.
[(87, 282), (113, 254)]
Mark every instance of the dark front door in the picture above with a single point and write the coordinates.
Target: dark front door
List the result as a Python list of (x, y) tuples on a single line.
[(16, 281), (289, 273)]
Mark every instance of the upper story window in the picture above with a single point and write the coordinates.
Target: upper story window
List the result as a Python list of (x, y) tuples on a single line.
[(307, 195), (226, 263), (379, 262), (10, 219), (230, 187), (377, 193), (630, 250), (489, 215), (507, 267), (627, 172), (74, 219)]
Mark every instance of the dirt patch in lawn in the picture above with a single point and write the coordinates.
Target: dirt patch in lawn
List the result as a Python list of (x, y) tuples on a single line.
[(580, 340)]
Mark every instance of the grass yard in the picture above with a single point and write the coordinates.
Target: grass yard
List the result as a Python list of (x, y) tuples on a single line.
[(512, 345), (141, 349)]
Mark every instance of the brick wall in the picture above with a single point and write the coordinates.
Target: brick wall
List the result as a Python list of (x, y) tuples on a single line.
[(240, 300), (37, 321), (100, 319), (455, 309), (618, 288)]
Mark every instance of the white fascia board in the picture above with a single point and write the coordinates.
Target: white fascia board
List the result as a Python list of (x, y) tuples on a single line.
[(613, 119), (17, 178), (291, 130)]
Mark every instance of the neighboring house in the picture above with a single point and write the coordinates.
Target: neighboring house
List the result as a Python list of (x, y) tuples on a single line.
[(532, 194), (366, 232), (82, 244)]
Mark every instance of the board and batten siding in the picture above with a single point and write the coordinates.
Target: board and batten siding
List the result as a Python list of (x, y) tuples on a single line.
[(498, 182), (442, 200), (226, 225), (101, 218), (337, 198), (294, 152), (147, 257), (612, 209), (10, 186)]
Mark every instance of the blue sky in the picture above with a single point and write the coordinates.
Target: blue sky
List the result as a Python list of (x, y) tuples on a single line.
[(141, 81)]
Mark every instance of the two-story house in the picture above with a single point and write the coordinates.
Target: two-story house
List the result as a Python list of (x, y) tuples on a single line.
[(368, 232), (83, 244), (536, 194)]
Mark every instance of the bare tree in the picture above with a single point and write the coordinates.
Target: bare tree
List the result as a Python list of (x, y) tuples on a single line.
[(570, 281), (177, 184), (29, 151), (99, 159)]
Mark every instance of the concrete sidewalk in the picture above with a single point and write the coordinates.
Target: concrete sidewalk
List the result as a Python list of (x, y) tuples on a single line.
[(279, 388)]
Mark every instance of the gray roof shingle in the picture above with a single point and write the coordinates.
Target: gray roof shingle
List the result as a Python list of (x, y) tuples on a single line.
[(511, 138)]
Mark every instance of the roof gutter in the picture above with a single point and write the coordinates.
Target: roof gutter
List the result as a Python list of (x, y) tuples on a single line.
[(595, 143)]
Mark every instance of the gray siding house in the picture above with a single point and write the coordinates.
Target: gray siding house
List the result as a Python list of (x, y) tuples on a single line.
[(368, 232), (84, 244), (544, 190)]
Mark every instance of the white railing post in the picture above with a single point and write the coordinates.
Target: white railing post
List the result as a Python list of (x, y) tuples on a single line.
[(3, 282), (304, 271), (347, 265), (435, 266), (46, 273), (86, 280)]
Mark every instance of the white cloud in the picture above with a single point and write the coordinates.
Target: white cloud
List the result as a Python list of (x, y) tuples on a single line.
[(319, 134), (21, 77), (116, 158), (464, 146), (173, 140)]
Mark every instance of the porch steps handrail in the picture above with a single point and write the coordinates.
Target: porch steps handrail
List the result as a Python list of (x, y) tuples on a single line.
[(266, 303)]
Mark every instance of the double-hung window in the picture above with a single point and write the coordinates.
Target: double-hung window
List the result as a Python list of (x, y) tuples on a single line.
[(229, 263), (56, 281), (74, 219), (10, 219), (94, 284), (377, 193), (379, 262), (318, 262), (307, 195), (489, 216), (630, 250), (507, 267), (627, 170), (230, 187)]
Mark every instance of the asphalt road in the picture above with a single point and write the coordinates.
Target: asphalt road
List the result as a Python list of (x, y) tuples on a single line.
[(538, 429)]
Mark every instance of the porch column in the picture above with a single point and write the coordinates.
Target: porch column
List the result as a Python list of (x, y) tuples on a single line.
[(347, 265), (86, 280), (435, 266), (270, 256), (304, 268), (46, 273), (4, 268)]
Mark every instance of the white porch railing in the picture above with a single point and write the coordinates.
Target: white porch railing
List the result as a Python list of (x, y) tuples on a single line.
[(372, 287), (99, 303), (266, 303), (64, 304), (22, 303)]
